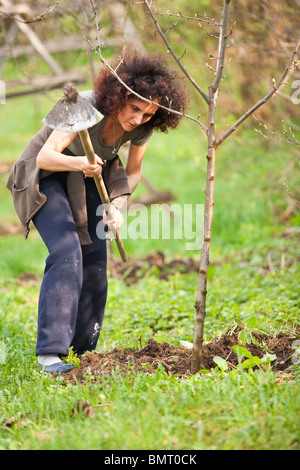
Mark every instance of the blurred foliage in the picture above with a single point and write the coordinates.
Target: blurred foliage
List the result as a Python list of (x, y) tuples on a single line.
[(262, 36)]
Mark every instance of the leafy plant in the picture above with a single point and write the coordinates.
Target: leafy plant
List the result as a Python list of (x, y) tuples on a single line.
[(252, 361)]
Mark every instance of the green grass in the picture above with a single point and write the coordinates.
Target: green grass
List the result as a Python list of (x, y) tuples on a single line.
[(239, 411), (220, 410), (234, 410)]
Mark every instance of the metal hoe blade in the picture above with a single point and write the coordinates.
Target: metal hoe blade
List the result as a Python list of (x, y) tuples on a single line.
[(72, 113)]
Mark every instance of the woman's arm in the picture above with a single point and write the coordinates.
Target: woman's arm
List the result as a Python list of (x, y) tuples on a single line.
[(51, 158)]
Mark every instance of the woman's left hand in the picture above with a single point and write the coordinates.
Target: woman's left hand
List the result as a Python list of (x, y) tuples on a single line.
[(115, 220)]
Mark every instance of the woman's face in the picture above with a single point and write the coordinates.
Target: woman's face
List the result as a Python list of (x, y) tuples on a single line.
[(135, 113)]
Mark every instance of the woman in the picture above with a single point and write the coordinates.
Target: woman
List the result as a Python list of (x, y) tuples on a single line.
[(57, 192)]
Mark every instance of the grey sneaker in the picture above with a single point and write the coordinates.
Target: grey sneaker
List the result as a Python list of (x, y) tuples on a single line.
[(57, 368)]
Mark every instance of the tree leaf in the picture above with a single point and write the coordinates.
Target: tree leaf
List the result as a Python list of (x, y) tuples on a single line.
[(221, 363)]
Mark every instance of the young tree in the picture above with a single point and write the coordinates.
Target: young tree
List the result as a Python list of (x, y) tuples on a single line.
[(213, 141)]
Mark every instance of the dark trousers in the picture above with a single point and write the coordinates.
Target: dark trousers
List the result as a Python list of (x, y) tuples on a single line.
[(74, 287)]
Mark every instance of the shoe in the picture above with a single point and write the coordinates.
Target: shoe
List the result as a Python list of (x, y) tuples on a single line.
[(56, 368)]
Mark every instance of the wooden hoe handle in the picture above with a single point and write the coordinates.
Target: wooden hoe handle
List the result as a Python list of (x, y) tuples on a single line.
[(89, 151)]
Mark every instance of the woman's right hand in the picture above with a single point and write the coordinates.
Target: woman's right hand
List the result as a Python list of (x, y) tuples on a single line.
[(52, 158), (89, 170)]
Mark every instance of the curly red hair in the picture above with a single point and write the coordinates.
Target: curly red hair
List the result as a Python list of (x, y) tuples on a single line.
[(151, 78)]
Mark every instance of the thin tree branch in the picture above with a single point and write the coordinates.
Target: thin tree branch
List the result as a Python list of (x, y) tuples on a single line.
[(289, 135), (202, 18), (281, 82), (36, 19), (97, 27), (222, 47), (179, 113), (183, 69)]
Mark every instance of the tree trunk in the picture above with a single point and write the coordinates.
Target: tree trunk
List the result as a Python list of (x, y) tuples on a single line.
[(200, 305)]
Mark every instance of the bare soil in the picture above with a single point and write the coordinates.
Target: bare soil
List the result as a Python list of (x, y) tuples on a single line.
[(156, 263), (176, 360)]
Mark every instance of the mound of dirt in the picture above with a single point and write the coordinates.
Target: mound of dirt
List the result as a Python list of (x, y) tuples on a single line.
[(176, 360), (136, 269)]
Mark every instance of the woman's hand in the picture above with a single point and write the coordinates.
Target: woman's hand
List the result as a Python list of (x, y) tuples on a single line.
[(114, 220), (90, 171)]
